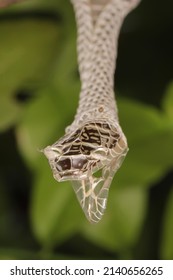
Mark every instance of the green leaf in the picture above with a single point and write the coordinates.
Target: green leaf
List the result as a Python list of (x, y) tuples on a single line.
[(166, 249), (52, 6), (55, 213), (40, 122), (121, 224), (27, 50), (65, 78), (9, 111), (150, 137)]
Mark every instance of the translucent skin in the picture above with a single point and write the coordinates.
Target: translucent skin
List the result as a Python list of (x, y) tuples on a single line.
[(94, 141), (79, 155)]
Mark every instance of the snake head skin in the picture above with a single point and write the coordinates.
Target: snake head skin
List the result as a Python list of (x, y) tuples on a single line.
[(95, 146), (79, 154)]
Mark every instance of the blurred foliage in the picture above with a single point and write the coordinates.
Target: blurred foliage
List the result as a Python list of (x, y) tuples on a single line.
[(39, 87)]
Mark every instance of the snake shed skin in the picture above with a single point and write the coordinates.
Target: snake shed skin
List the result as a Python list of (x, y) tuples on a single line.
[(94, 145)]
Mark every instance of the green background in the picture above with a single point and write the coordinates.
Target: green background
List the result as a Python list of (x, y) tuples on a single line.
[(39, 88)]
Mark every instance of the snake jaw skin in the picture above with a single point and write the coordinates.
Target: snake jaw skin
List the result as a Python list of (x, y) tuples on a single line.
[(94, 145)]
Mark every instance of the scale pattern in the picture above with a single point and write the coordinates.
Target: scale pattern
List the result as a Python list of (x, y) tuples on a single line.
[(94, 145)]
